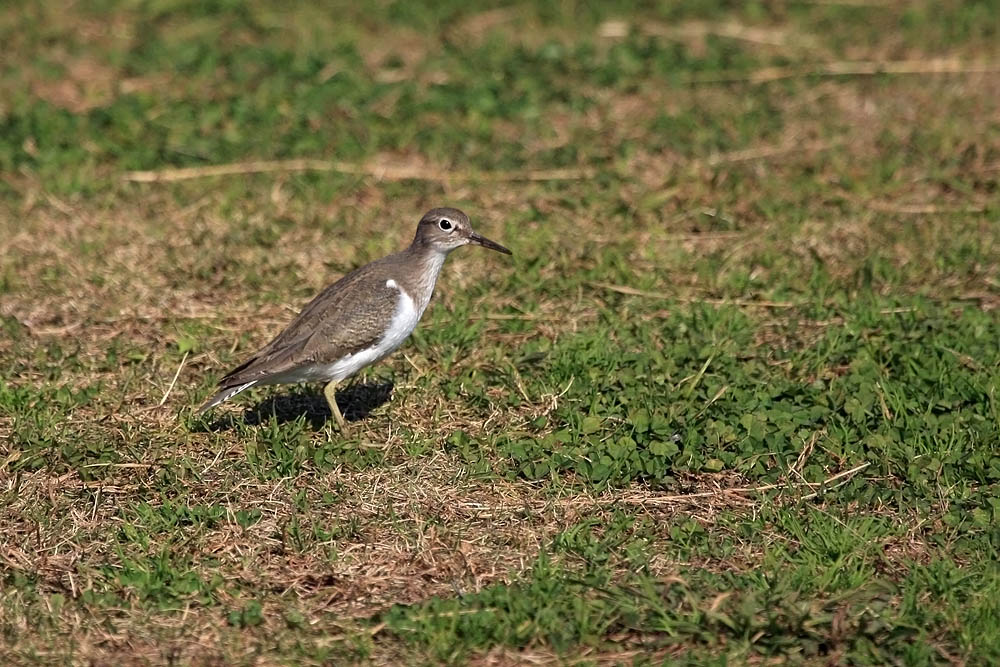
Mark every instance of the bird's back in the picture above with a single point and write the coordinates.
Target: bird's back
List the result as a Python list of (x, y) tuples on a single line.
[(348, 316)]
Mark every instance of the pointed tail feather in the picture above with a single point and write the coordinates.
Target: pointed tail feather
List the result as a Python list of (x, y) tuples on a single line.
[(224, 396)]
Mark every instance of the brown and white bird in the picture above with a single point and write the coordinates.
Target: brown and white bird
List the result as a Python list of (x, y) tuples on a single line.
[(361, 318)]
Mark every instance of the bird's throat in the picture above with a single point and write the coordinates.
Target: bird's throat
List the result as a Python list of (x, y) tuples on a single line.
[(427, 263)]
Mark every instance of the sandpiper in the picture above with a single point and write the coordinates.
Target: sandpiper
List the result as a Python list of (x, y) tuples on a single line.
[(359, 319)]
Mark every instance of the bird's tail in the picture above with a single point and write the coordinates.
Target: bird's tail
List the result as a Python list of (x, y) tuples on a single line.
[(224, 396)]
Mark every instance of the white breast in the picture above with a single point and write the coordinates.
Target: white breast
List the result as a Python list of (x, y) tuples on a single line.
[(404, 321)]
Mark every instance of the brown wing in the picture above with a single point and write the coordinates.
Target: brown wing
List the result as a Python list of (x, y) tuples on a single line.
[(348, 316)]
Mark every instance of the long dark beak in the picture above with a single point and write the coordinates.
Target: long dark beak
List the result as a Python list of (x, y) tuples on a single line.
[(486, 243)]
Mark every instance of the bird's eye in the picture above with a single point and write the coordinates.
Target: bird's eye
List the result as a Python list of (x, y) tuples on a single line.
[(445, 224)]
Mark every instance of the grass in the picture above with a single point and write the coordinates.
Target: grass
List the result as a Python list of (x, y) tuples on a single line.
[(732, 400)]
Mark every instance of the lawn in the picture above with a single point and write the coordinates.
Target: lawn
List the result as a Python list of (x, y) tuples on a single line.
[(734, 399)]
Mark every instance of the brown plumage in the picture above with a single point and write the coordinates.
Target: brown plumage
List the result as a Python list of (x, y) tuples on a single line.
[(359, 319)]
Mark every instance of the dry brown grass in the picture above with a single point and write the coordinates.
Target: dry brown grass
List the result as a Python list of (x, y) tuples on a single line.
[(224, 254), (423, 528)]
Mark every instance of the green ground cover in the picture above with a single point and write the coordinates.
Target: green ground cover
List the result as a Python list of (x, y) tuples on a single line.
[(734, 399)]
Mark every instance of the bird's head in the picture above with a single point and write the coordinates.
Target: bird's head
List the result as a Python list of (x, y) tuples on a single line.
[(445, 229)]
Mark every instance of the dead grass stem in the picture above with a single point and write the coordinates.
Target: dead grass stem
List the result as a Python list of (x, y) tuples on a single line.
[(853, 68)]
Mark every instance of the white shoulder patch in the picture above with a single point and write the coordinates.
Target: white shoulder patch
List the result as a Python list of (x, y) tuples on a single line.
[(391, 284)]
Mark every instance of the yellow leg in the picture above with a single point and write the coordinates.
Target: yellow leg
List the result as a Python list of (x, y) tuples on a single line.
[(331, 397)]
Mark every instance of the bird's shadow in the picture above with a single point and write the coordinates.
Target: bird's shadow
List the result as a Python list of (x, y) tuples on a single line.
[(356, 401)]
